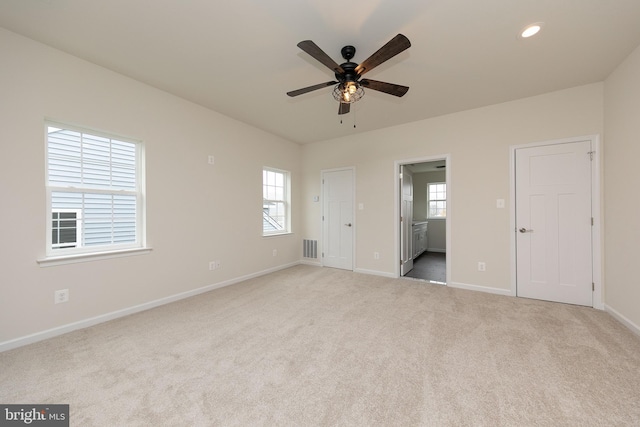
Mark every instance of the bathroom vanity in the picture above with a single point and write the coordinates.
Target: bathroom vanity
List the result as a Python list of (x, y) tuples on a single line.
[(419, 238)]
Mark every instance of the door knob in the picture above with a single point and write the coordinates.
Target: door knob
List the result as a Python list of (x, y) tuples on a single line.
[(348, 225), (524, 230)]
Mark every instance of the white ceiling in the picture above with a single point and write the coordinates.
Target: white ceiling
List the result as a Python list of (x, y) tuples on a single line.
[(240, 57)]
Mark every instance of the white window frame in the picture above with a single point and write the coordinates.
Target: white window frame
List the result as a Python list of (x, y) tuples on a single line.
[(53, 255), (429, 200), (287, 201)]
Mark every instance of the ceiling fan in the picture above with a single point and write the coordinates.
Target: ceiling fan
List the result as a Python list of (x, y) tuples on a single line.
[(349, 86)]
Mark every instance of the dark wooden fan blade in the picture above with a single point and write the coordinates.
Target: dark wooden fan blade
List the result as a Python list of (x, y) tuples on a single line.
[(390, 88), (344, 108), (396, 45), (312, 49), (310, 88)]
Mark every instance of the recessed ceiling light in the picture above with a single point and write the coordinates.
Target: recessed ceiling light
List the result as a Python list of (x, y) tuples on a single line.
[(531, 30)]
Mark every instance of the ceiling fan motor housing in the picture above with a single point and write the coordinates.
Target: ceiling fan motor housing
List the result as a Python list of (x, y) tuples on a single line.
[(349, 67), (349, 74)]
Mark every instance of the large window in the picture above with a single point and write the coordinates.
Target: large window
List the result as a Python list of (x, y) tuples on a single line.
[(437, 200), (275, 202), (94, 192)]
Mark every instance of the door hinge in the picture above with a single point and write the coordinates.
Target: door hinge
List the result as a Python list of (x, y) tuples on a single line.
[(323, 217), (322, 254), (401, 262), (592, 221), (591, 153), (401, 219), (593, 286)]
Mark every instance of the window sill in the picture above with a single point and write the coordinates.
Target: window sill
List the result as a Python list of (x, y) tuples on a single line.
[(72, 259), (287, 233)]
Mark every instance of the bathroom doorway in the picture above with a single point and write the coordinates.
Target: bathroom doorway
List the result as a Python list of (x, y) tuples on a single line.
[(423, 231)]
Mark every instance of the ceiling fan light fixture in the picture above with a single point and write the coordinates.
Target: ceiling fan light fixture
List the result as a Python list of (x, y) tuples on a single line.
[(348, 92)]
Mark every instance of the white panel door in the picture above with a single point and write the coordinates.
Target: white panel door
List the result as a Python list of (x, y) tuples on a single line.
[(406, 219), (337, 225), (553, 223)]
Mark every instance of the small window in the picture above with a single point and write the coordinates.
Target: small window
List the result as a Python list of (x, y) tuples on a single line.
[(275, 202), (65, 228), (94, 192), (437, 200)]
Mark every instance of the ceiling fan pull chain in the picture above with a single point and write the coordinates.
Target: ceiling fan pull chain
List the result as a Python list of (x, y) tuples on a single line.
[(354, 118)]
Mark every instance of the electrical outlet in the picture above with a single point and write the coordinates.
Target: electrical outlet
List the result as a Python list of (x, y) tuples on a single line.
[(275, 252), (211, 160), (60, 296), (376, 255), (214, 265), (482, 266)]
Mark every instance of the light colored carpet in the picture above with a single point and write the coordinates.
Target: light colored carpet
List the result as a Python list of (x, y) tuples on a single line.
[(313, 346)]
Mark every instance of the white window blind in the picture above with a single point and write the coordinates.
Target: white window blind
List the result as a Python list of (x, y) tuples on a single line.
[(96, 177)]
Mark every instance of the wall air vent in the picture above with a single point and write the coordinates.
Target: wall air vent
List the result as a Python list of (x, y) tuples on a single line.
[(309, 248)]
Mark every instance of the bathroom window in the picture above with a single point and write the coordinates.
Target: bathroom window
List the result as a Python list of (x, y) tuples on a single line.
[(437, 200)]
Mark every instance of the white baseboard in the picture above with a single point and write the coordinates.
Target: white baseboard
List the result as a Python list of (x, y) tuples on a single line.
[(375, 273), (53, 332), (356, 270), (487, 289), (622, 319), (439, 250), (497, 291)]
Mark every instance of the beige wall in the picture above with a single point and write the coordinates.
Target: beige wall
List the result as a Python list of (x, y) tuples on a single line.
[(622, 203), (196, 212), (436, 229), (420, 181), (219, 206), (480, 232)]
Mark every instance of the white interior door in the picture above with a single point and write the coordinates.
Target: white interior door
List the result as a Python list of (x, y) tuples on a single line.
[(553, 223), (337, 217), (406, 219)]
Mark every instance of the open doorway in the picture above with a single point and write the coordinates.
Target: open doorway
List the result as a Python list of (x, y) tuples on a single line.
[(423, 232)]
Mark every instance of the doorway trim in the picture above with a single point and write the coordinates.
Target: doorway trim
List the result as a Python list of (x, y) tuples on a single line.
[(596, 211), (397, 201)]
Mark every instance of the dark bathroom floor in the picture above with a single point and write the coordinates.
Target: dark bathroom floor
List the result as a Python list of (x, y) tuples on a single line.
[(430, 266)]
